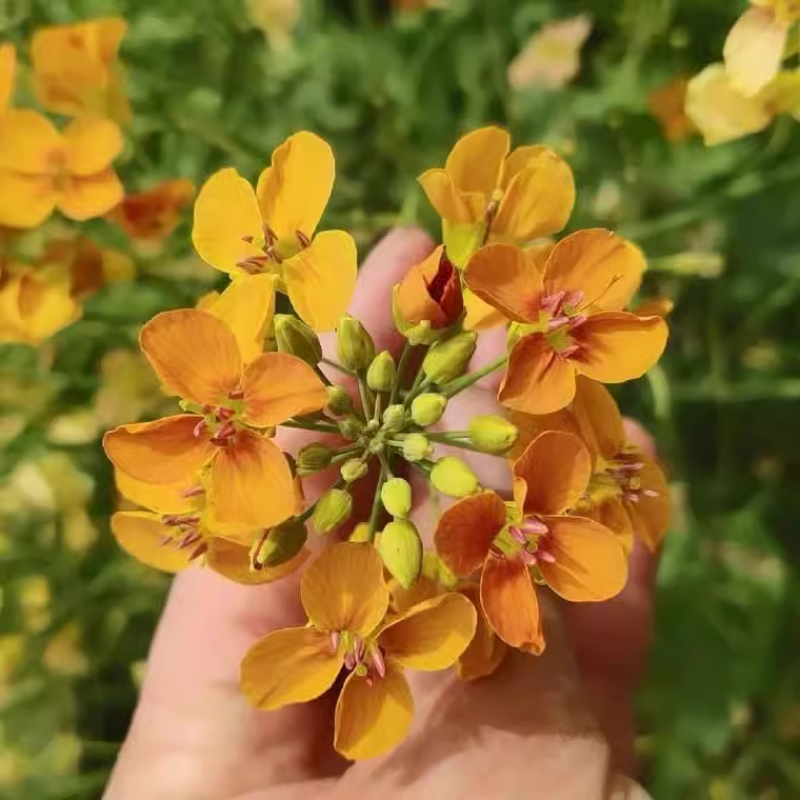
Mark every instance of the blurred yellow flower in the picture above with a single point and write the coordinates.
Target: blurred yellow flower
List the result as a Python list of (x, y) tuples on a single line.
[(63, 654), (277, 18), (668, 105), (129, 390), (76, 70), (8, 74), (152, 215), (33, 596), (42, 169)]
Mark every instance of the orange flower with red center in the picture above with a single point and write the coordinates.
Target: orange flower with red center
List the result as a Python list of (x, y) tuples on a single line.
[(154, 214), (534, 542), (569, 315)]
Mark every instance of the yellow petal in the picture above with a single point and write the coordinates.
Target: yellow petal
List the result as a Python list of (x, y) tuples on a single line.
[(226, 210), (26, 201), (194, 354), (44, 309), (293, 665), (486, 651), (142, 535), (374, 716), (475, 163), (530, 426), (92, 143), (344, 589), (233, 561), (294, 190), (480, 315), (93, 196), (164, 498), (246, 307), (8, 74), (598, 418), (754, 50), (320, 280), (28, 142), (613, 514), (651, 516), (431, 635), (445, 198)]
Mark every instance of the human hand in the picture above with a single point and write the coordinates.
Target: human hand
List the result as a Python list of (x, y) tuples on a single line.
[(559, 724)]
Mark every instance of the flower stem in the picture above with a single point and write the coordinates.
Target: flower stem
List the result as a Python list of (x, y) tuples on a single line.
[(465, 381), (408, 349), (376, 504), (366, 397), (320, 427), (338, 367)]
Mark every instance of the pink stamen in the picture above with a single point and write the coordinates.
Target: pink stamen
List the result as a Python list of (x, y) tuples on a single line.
[(529, 559), (350, 660), (651, 493), (575, 299), (194, 491), (517, 534), (336, 637), (225, 414), (236, 394), (378, 663), (633, 466), (248, 239), (534, 526), (552, 302), (270, 237), (557, 322), (199, 551), (224, 433), (359, 650), (548, 558), (200, 429), (631, 497), (303, 239), (578, 320), (569, 351)]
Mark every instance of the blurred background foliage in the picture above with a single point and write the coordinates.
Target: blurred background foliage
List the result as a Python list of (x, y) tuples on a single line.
[(392, 90)]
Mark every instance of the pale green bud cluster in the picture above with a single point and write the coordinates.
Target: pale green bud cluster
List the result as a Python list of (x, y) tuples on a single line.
[(382, 373), (396, 497)]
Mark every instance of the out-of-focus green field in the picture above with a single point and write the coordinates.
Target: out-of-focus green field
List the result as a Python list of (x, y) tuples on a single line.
[(720, 708)]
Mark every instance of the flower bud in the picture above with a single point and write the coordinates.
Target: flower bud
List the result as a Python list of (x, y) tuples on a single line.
[(400, 549), (451, 476), (350, 428), (360, 533), (394, 418), (313, 458), (427, 409), (282, 544), (339, 401), (396, 497), (356, 348), (448, 359), (332, 510), (382, 373), (294, 337), (493, 434), (354, 469), (416, 447)]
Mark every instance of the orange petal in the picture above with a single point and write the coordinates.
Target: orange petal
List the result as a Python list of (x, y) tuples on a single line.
[(467, 529), (26, 201), (506, 278), (510, 603), (430, 291), (590, 562), (537, 380), (293, 665), (618, 347), (754, 49), (475, 163), (344, 589), (651, 516), (294, 190), (372, 717), (28, 142), (92, 143), (8, 74), (194, 354), (486, 651), (445, 198), (142, 535), (164, 498), (89, 197), (320, 279), (604, 267), (233, 561), (598, 418), (164, 451), (251, 483), (480, 315), (538, 199), (552, 474), (278, 386), (613, 515), (530, 426)]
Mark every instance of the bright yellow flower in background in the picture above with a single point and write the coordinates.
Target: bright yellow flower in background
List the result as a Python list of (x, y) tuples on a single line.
[(8, 74), (76, 69), (42, 169), (271, 230), (346, 599)]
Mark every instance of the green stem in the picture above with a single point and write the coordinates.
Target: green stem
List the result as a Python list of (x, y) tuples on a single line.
[(465, 381), (323, 377), (385, 465), (378, 407), (408, 348), (343, 455), (319, 427), (376, 505), (338, 367), (366, 398)]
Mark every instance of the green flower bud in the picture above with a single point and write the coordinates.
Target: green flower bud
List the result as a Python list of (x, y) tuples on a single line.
[(356, 348), (448, 359), (350, 428), (313, 458), (382, 373), (394, 418), (492, 434), (427, 409), (360, 533), (400, 549), (451, 476), (396, 497), (294, 337), (339, 401), (416, 447), (282, 544), (332, 510), (354, 469)]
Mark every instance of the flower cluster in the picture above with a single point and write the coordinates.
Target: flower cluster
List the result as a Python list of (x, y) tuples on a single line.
[(217, 489)]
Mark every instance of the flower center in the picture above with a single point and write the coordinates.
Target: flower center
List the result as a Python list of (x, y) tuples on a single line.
[(527, 541), (57, 165), (184, 532), (619, 477), (362, 656), (560, 316), (274, 251), (219, 421)]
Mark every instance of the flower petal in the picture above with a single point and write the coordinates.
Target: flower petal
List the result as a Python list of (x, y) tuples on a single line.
[(509, 600), (537, 380), (617, 346), (503, 276), (163, 451), (26, 201), (753, 49), (467, 529), (294, 190), (292, 665), (233, 561), (480, 315), (444, 197), (278, 386), (8, 74), (141, 535), (651, 516), (28, 142), (251, 483), (372, 717), (92, 143), (613, 514), (530, 426), (431, 290), (225, 212), (194, 354), (475, 163), (344, 589), (44, 308), (164, 498), (91, 196), (320, 279), (486, 651), (590, 562), (552, 474), (598, 418)]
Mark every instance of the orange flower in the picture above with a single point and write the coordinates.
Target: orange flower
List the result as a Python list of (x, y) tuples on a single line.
[(271, 230), (569, 315), (154, 214), (577, 557), (42, 169), (346, 599), (484, 193), (8, 74), (667, 104), (198, 357), (75, 69)]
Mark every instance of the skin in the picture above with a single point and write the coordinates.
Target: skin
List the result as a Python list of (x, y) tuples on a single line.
[(560, 725)]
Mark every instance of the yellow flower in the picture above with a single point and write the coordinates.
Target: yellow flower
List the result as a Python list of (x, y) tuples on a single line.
[(346, 598), (129, 390), (8, 74), (75, 69), (271, 230), (42, 169), (277, 18)]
